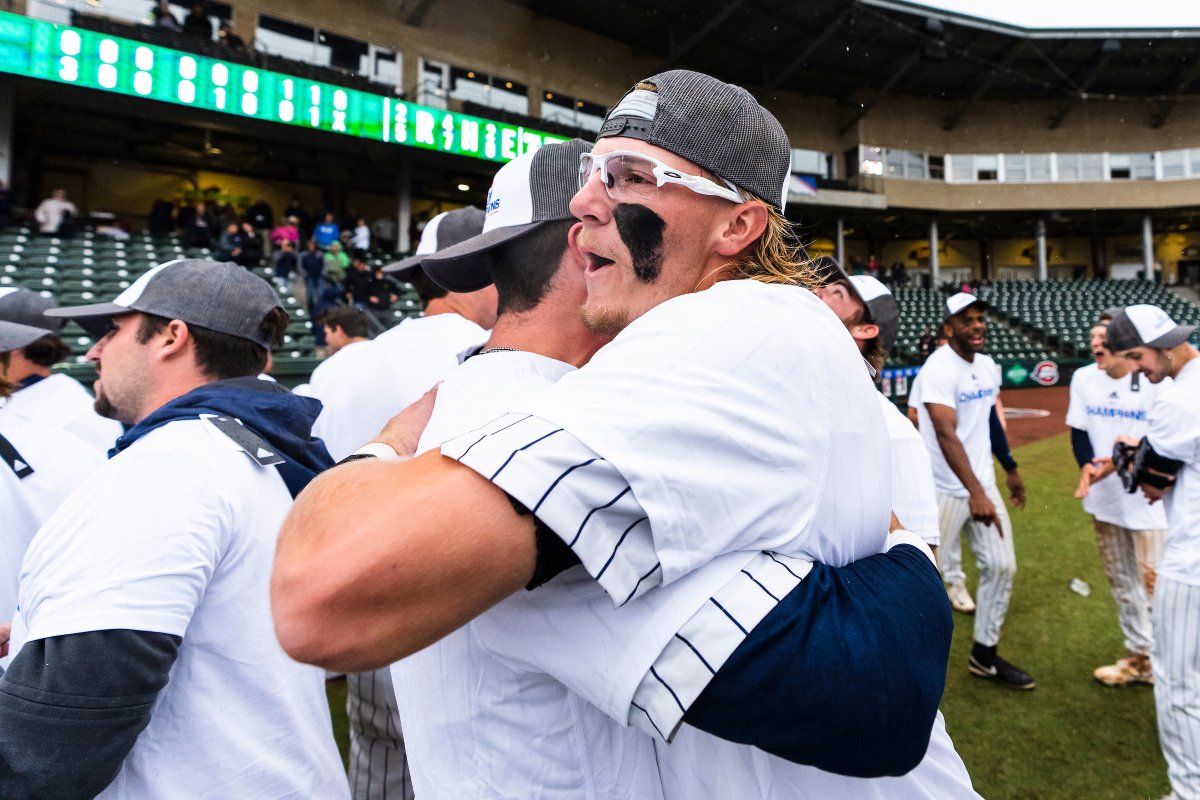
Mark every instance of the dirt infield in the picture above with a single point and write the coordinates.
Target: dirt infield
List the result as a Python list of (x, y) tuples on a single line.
[(1024, 429)]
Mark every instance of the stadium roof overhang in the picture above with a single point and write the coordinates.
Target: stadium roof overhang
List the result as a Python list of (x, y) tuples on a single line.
[(859, 51)]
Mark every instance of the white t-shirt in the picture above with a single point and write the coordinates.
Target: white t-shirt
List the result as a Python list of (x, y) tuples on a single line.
[(913, 498), (364, 385), (1106, 408), (971, 389), (177, 535), (1175, 433), (60, 401), (59, 462)]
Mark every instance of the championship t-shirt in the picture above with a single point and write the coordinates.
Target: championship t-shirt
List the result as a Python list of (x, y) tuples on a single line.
[(366, 384), (177, 535), (1175, 433), (1106, 408), (60, 401), (971, 389)]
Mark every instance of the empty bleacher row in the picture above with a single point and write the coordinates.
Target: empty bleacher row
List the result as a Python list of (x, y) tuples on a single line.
[(1064, 311), (93, 268)]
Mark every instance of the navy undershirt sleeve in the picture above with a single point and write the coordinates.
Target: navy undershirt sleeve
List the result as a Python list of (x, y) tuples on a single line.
[(1081, 446), (1000, 447), (71, 708), (845, 674)]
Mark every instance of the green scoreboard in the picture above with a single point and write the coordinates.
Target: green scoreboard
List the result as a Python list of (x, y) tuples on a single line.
[(39, 49)]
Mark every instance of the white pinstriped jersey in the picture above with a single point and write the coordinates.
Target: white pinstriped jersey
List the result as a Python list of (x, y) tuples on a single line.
[(1175, 433), (1106, 408)]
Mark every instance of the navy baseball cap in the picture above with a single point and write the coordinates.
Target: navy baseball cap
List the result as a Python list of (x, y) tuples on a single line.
[(713, 124), (1145, 325), (444, 230), (222, 297), (526, 193), (27, 307)]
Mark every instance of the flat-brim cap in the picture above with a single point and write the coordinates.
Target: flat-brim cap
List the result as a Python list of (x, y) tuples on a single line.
[(1145, 325), (27, 307), (442, 231), (221, 297), (958, 303), (14, 335), (526, 193)]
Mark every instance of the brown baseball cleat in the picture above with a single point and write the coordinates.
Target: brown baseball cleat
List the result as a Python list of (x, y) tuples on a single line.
[(1134, 668)]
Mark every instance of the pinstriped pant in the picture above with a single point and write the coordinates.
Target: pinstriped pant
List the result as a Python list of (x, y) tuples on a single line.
[(995, 557), (378, 765), (1176, 663), (1130, 560)]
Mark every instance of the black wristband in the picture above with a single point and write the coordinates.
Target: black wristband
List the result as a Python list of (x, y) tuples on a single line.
[(553, 555)]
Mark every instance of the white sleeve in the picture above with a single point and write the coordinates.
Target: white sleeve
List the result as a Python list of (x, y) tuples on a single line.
[(1175, 427), (1077, 406), (913, 497), (938, 385), (135, 548)]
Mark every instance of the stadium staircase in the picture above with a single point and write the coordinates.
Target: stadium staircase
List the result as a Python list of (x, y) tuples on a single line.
[(93, 268)]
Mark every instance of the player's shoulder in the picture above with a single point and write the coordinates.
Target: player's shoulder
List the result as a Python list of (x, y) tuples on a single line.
[(1084, 375)]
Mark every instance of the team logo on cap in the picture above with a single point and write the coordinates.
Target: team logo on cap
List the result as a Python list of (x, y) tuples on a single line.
[(493, 204), (1045, 373)]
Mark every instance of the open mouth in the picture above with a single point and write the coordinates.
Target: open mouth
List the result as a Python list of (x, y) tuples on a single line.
[(597, 262)]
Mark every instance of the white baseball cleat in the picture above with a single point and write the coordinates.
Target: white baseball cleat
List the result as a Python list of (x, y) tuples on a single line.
[(960, 598)]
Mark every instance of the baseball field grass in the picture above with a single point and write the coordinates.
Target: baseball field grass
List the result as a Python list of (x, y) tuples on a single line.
[(1070, 738)]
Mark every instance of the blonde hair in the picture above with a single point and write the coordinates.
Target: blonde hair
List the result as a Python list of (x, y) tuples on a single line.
[(778, 256)]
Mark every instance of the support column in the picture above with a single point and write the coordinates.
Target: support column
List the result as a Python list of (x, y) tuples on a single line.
[(404, 208), (7, 112), (839, 246), (934, 255), (1043, 272), (1148, 246)]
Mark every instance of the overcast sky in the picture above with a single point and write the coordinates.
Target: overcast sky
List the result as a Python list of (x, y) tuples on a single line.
[(1080, 13)]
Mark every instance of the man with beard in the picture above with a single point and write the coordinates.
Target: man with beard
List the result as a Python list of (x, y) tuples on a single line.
[(959, 386), (143, 655), (1109, 400)]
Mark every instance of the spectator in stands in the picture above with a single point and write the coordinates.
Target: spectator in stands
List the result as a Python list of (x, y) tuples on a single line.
[(344, 326), (262, 218), (384, 232), (161, 16), (361, 240), (288, 230), (197, 23), (286, 263), (229, 246), (161, 219), (925, 343), (872, 266), (252, 247), (357, 286), (56, 215), (198, 224), (327, 232), (384, 292), (312, 268), (228, 40), (303, 221), (899, 275), (336, 264)]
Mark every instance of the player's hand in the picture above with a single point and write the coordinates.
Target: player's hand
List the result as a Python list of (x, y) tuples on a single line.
[(1152, 494), (1104, 467), (5, 634), (1087, 476), (403, 431), (1016, 489), (982, 510)]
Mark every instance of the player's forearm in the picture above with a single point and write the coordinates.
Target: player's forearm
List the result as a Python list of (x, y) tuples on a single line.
[(379, 559)]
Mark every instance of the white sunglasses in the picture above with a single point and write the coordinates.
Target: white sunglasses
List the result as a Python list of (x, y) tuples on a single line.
[(633, 176)]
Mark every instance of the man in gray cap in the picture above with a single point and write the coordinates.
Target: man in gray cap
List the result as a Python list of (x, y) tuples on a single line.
[(712, 374), (142, 645), (1166, 466), (53, 399)]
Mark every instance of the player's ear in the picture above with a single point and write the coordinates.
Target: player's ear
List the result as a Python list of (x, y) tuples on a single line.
[(864, 331), (743, 224)]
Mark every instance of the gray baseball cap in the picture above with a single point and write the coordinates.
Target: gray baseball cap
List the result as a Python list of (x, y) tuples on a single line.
[(1145, 325), (878, 301), (444, 230), (14, 335), (716, 125), (26, 306), (526, 193), (222, 297)]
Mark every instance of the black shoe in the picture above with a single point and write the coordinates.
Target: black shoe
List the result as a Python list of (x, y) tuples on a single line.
[(1001, 672)]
